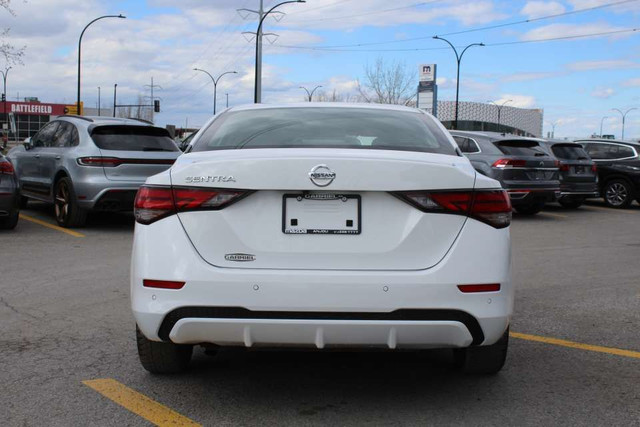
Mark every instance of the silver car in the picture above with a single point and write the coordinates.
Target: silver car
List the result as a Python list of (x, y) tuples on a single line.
[(90, 163), (9, 209)]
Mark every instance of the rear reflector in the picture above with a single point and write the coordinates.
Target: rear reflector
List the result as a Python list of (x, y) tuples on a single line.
[(154, 203), (6, 168), (486, 287), (509, 163), (162, 284), (492, 207)]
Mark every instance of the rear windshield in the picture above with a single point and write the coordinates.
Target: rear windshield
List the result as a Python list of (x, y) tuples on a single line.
[(133, 138), (569, 152), (358, 128), (520, 147)]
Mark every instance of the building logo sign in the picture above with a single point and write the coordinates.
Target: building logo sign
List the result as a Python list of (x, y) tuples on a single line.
[(32, 108), (427, 72)]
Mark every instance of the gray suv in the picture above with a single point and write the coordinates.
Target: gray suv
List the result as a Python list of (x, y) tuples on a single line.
[(90, 163), (522, 165)]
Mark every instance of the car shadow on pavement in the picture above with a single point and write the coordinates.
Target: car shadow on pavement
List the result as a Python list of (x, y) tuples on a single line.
[(100, 221)]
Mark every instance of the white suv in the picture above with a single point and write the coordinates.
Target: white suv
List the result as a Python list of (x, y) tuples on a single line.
[(322, 225)]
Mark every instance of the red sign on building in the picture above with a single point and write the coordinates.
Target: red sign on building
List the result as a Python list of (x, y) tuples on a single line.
[(35, 108)]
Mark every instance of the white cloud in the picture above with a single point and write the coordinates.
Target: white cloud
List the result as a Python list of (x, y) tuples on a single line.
[(515, 100), (521, 77), (535, 9), (570, 30), (603, 92), (632, 82), (614, 64), (583, 4)]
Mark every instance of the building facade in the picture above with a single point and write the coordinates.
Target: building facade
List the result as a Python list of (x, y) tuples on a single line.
[(24, 119), (478, 116)]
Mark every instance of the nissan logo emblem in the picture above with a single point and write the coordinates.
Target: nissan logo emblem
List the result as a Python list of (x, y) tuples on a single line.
[(321, 175)]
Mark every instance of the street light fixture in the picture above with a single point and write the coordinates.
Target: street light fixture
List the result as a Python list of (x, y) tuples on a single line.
[(458, 59), (80, 51), (310, 94), (553, 128), (500, 108), (624, 116), (215, 84), (257, 91), (601, 122)]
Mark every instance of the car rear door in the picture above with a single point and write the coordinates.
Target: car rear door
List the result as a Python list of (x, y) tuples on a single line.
[(526, 165), (133, 153), (576, 168)]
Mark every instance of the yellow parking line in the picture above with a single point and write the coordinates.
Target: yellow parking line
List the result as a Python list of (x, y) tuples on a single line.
[(552, 214), (610, 210), (53, 227), (138, 403), (580, 346)]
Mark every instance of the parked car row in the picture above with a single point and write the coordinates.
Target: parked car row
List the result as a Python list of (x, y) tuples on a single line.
[(535, 171)]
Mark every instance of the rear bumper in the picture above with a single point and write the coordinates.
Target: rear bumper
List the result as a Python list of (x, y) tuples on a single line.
[(321, 308), (525, 196), (580, 189), (102, 194)]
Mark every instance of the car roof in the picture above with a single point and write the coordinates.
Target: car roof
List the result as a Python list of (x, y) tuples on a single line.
[(101, 120), (370, 106), (493, 136), (617, 141)]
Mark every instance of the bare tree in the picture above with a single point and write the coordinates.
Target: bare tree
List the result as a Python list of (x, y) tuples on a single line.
[(11, 53), (141, 111), (387, 83)]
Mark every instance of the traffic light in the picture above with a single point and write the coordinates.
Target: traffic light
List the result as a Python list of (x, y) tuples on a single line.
[(156, 105), (4, 98)]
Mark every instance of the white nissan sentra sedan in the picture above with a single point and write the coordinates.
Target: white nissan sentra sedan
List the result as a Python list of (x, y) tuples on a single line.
[(322, 225)]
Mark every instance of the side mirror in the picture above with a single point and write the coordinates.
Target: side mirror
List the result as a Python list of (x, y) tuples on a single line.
[(27, 143)]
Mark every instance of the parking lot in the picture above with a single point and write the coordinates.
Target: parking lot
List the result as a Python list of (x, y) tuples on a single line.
[(69, 353)]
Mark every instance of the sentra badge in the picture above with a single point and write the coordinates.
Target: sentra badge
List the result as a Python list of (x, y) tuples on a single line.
[(209, 178)]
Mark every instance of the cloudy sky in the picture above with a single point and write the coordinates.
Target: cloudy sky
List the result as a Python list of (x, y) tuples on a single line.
[(576, 81)]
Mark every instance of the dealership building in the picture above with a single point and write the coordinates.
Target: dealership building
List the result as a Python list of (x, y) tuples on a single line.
[(24, 119)]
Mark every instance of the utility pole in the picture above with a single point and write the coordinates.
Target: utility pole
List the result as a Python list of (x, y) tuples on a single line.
[(624, 116), (98, 101), (5, 73), (115, 88), (153, 86), (458, 59), (601, 122), (245, 13), (310, 94), (227, 95)]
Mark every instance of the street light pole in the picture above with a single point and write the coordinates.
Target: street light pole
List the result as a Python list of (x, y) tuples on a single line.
[(500, 108), (80, 52), (553, 128), (601, 122), (310, 94), (257, 90), (5, 73), (115, 88), (98, 100), (624, 115), (458, 59), (227, 95), (215, 84)]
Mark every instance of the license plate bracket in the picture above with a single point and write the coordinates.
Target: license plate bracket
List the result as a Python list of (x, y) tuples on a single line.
[(321, 214)]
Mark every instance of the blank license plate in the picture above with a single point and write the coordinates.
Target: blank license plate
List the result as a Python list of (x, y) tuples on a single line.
[(321, 213)]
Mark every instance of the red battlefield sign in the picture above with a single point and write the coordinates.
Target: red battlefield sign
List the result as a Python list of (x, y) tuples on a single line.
[(34, 108)]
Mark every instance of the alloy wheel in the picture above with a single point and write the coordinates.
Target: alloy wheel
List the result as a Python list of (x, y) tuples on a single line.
[(616, 194), (62, 202)]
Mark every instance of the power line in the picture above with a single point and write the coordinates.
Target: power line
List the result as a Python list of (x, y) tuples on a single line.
[(375, 12), (319, 7), (557, 15), (629, 30)]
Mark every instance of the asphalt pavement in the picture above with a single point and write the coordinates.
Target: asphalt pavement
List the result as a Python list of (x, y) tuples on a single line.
[(68, 353)]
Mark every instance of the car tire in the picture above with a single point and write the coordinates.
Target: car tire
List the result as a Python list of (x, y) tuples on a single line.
[(68, 213), (23, 202), (9, 222), (486, 360), (617, 194), (530, 209), (570, 203), (163, 357)]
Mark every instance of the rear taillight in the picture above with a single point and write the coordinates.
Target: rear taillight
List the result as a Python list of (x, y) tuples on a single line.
[(492, 207), (6, 168), (107, 162), (154, 203), (509, 163), (594, 168), (562, 167)]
